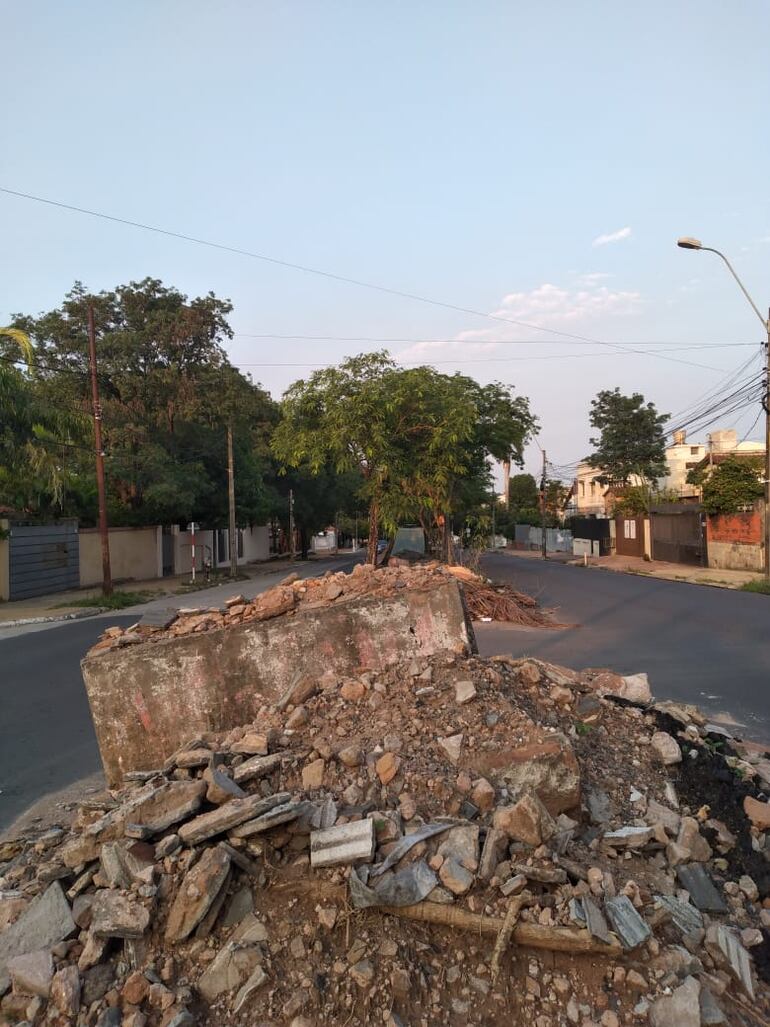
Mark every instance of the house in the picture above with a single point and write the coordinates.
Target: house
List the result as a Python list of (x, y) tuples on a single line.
[(592, 499)]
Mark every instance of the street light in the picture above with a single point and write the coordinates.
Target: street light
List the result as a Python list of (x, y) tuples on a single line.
[(688, 243)]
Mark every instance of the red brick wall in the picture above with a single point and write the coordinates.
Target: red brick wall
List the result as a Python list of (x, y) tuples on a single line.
[(743, 527)]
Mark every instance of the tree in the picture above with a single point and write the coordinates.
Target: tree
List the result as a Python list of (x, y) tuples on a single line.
[(631, 442), (167, 392), (556, 496), (523, 492), (420, 440), (733, 485)]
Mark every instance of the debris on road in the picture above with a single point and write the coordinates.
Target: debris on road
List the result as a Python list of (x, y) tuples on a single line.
[(322, 893), (454, 840)]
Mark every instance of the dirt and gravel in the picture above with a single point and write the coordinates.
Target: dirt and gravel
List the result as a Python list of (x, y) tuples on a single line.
[(453, 840)]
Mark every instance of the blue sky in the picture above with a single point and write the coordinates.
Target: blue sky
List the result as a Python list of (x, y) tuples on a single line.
[(471, 153)]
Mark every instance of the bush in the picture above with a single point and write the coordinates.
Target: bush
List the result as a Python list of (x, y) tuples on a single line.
[(733, 486)]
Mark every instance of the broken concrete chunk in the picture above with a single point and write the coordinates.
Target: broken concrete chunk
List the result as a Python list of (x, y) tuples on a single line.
[(452, 746), (547, 767), (115, 914), (686, 916), (657, 813), (757, 812), (65, 991), (455, 877), (666, 748), (595, 920), (257, 979), (636, 688), (465, 691), (32, 973), (680, 1009), (726, 949), (628, 837), (526, 821), (252, 744), (230, 968), (207, 825), (46, 921), (626, 922), (697, 882), (221, 788), (692, 841), (282, 814), (495, 847), (257, 767), (169, 804), (198, 890), (462, 844), (345, 844)]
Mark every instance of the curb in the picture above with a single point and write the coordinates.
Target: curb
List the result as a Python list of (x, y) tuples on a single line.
[(78, 615)]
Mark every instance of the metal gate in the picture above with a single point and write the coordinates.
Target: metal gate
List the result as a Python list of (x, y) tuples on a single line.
[(678, 535), (43, 558), (629, 536)]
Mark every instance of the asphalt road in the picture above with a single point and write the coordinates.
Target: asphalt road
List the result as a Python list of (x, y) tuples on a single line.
[(699, 644), (709, 646), (47, 738)]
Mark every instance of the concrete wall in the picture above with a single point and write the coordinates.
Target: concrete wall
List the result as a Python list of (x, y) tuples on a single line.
[(219, 679), (256, 546), (135, 554), (735, 540), (5, 570)]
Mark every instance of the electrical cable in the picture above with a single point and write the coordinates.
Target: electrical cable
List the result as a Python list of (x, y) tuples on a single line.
[(359, 283)]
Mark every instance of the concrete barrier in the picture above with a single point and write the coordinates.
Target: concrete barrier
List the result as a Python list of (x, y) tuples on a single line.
[(148, 699)]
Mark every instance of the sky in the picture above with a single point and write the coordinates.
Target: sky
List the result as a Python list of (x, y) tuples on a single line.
[(533, 162)]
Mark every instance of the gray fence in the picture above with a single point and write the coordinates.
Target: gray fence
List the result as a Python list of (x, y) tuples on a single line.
[(556, 540), (43, 558)]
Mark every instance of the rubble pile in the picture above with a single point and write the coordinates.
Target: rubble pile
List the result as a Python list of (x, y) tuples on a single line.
[(451, 841), (293, 594)]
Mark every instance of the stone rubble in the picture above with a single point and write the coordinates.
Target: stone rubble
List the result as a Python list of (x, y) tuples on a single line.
[(350, 858)]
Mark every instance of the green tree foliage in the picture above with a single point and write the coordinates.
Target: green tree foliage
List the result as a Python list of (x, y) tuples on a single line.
[(523, 492), (419, 440), (631, 440), (167, 392), (36, 438), (732, 487)]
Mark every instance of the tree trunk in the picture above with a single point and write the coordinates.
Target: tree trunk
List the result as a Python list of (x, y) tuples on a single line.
[(303, 542), (388, 551), (371, 549), (447, 550)]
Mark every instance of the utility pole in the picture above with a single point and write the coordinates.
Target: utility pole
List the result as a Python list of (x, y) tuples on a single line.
[(97, 411), (544, 543), (766, 404), (291, 522), (494, 529), (231, 503), (507, 483)]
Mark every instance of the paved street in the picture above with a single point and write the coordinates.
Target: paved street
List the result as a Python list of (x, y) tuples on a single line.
[(47, 739), (709, 646), (705, 645)]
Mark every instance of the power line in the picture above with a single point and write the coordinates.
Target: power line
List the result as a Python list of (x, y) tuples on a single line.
[(475, 342), (359, 283)]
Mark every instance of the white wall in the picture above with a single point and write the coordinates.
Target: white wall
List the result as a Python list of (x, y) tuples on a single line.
[(256, 546)]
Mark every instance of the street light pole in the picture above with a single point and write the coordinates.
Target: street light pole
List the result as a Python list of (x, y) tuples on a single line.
[(688, 243)]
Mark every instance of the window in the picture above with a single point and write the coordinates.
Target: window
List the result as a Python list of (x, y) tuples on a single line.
[(694, 450), (593, 488), (629, 529), (582, 488)]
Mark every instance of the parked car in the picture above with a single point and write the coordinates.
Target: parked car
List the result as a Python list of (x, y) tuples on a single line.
[(382, 545)]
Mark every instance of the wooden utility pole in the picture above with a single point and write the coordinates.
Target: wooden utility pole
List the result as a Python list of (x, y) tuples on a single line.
[(544, 542), (766, 405), (231, 504), (100, 491), (291, 522), (507, 483)]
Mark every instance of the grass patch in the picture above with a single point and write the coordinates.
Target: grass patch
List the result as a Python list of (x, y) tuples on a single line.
[(214, 580), (117, 601), (761, 585)]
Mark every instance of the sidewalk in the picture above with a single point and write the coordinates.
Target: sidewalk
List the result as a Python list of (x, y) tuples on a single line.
[(649, 568), (54, 607)]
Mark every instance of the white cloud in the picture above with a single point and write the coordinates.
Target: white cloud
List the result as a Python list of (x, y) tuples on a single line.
[(571, 309), (593, 277), (622, 233)]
